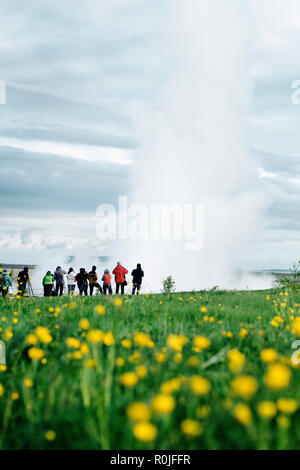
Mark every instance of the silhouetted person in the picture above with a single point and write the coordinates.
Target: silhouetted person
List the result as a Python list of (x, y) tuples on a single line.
[(138, 275), (106, 278), (71, 281), (93, 280), (59, 278), (120, 279), (82, 281), (48, 283), (23, 278)]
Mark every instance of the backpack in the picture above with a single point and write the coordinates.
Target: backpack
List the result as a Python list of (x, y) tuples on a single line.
[(2, 280), (107, 279)]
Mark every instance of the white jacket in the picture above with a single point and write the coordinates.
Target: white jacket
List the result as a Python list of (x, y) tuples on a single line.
[(71, 279)]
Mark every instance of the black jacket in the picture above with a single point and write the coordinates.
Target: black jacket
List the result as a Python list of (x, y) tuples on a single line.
[(137, 274)]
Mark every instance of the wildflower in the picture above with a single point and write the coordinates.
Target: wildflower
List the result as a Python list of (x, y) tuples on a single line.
[(95, 336), (287, 405), (176, 342), (126, 343), (120, 361), (90, 363), (191, 428), (135, 357), (203, 411), (7, 335), (31, 339), (242, 413), (50, 435), (203, 309), (193, 361), (199, 385), (236, 361), (3, 367), (84, 324), (15, 396), (143, 340), (170, 386), (163, 404), (108, 339), (72, 305), (138, 411), (160, 357), (35, 353), (73, 343), (1, 390), (118, 302), (129, 379), (141, 371), (43, 334), (277, 376), (100, 309), (177, 358), (244, 386), (267, 409), (243, 333), (283, 421), (84, 349), (28, 383), (145, 431), (268, 355), (201, 342)]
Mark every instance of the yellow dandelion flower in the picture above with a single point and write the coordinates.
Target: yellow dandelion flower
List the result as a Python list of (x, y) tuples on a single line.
[(287, 405), (191, 428), (163, 404), (243, 414), (244, 386), (267, 409), (201, 342), (138, 411), (84, 324), (278, 376), (129, 379), (35, 353), (199, 385), (95, 336), (268, 355), (118, 302), (50, 435), (145, 431)]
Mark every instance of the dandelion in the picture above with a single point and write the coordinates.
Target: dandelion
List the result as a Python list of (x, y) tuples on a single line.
[(236, 361), (160, 357), (35, 353), (145, 431), (129, 379), (108, 339), (170, 386), (143, 340), (201, 342), (267, 409), (95, 336), (278, 376), (118, 302), (3, 367), (176, 342), (43, 334), (243, 414), (163, 404), (28, 383), (15, 396), (1, 390), (199, 385), (120, 361), (203, 411), (203, 309), (283, 421), (100, 309), (243, 333), (268, 355), (287, 405), (138, 411), (50, 435), (84, 324), (191, 428), (90, 363), (126, 343), (73, 343), (244, 386), (141, 371)]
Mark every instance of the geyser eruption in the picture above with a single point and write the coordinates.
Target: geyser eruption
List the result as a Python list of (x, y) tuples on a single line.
[(194, 146)]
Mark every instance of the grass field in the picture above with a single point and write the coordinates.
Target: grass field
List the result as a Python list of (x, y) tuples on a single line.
[(205, 370)]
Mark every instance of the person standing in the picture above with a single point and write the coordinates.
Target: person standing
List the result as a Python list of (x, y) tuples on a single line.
[(48, 283), (106, 278), (71, 281), (137, 275), (59, 278), (23, 278), (93, 280), (120, 279), (82, 281), (5, 282)]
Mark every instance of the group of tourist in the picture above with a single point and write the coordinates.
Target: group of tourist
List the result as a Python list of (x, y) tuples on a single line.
[(54, 284)]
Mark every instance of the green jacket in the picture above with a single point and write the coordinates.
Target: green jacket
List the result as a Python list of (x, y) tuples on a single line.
[(48, 278)]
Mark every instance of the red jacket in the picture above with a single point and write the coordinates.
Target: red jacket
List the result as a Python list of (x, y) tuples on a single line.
[(119, 273)]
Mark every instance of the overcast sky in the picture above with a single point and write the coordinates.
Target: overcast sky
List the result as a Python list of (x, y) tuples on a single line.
[(74, 73)]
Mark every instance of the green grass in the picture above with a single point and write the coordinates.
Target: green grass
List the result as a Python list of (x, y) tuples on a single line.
[(86, 407)]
